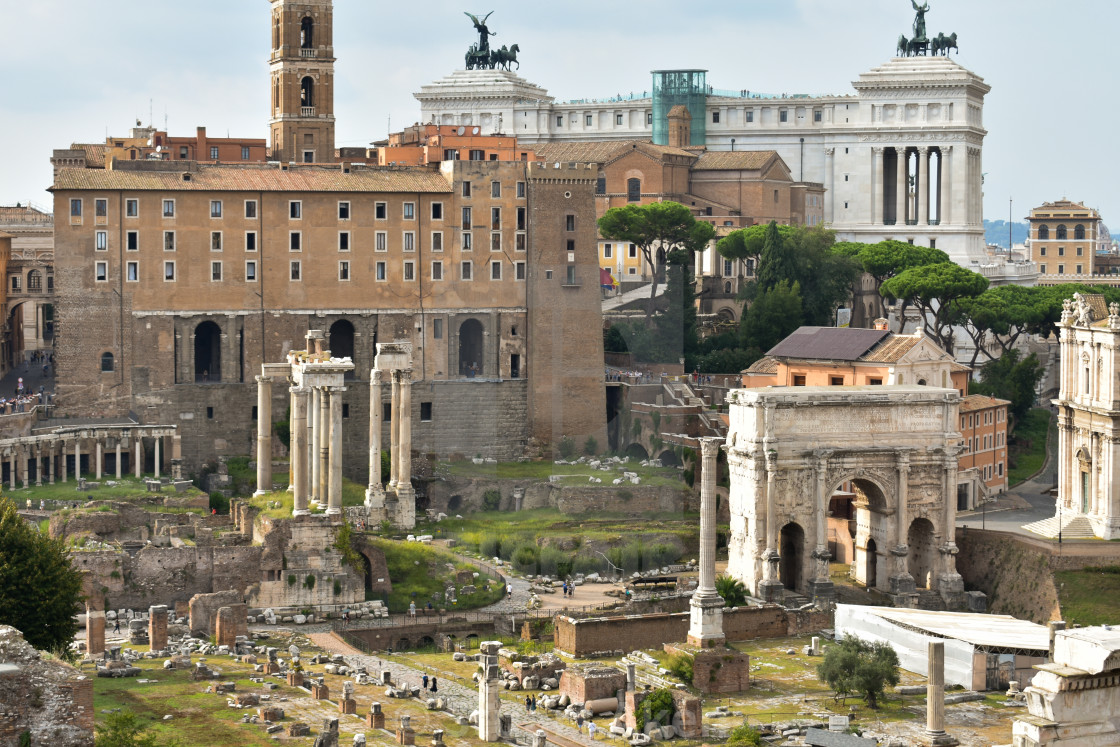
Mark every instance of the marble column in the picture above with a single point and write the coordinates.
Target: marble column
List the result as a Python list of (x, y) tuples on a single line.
[(902, 187), (935, 698), (299, 450), (375, 493), (62, 459), (139, 457), (334, 484), (315, 443), (901, 581), (117, 464), (77, 459), (923, 186), (706, 607), (38, 465), (821, 585), (406, 496), (156, 455), (12, 470), (25, 465), (97, 450), (771, 587), (50, 465), (950, 584), (877, 186), (264, 435), (394, 430), (944, 175), (324, 428)]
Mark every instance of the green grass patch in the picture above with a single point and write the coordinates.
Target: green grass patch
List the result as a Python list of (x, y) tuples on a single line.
[(419, 571), (127, 488), (278, 504), (653, 476), (1027, 452), (1090, 596)]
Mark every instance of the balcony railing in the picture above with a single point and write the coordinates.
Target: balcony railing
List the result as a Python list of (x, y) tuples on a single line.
[(307, 111), (309, 53), (911, 221)]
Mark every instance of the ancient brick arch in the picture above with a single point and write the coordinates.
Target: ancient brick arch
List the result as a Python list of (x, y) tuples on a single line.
[(893, 451)]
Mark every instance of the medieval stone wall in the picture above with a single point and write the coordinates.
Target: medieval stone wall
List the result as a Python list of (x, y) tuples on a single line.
[(49, 701), (457, 496)]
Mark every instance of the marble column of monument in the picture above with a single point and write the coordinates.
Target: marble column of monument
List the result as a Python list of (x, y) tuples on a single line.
[(901, 188), (944, 176), (139, 467), (334, 483), (406, 496), (61, 459), (315, 443), (901, 581), (821, 587), (264, 435), (324, 428), (394, 429), (116, 460), (923, 185), (375, 493), (77, 462), (771, 587), (299, 450), (950, 584), (877, 184), (935, 699), (155, 454), (706, 607)]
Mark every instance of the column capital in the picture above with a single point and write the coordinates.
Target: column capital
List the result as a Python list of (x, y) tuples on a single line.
[(829, 151), (709, 447), (903, 461), (300, 391), (403, 375), (335, 389), (262, 379), (923, 149), (375, 376)]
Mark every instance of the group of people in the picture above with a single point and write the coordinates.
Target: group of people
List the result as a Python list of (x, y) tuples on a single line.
[(629, 377), (569, 589), (23, 402), (426, 682), (530, 703)]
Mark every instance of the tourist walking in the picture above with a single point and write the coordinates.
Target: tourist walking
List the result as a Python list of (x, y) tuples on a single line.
[(591, 729), (528, 704), (434, 688), (579, 724), (412, 609), (424, 679)]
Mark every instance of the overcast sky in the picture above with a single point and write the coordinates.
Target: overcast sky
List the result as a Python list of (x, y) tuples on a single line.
[(77, 70)]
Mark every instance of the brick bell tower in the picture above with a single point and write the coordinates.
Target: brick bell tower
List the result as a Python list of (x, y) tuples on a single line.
[(302, 77)]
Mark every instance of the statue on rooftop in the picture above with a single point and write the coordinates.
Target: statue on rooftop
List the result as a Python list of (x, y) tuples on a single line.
[(478, 56), (920, 21)]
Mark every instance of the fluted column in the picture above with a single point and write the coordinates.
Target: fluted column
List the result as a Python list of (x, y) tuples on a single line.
[(334, 484), (406, 497), (901, 581), (902, 187), (877, 186), (394, 430), (117, 463), (375, 493), (264, 435), (821, 584), (315, 443), (923, 186), (935, 697), (950, 584), (771, 587), (706, 607), (945, 175), (299, 450), (323, 427)]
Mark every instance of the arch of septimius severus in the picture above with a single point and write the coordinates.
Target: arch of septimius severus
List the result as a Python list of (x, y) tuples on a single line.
[(893, 448)]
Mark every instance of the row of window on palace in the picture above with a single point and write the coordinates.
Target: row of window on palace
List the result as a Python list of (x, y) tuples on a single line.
[(979, 443), (619, 119), (345, 241), (295, 207), (1061, 269), (1061, 233), (985, 418), (1061, 251), (381, 271)]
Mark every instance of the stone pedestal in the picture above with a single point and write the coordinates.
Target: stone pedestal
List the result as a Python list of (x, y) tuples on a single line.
[(715, 670), (225, 627), (320, 691), (95, 631), (375, 719), (347, 705), (157, 627), (405, 733), (295, 679), (705, 628)]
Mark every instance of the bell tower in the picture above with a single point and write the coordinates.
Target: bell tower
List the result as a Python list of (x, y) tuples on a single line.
[(302, 80)]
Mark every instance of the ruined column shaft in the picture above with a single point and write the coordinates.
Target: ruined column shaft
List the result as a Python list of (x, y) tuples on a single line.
[(139, 459), (334, 487), (98, 457), (156, 455), (404, 437), (117, 464), (77, 460), (314, 416), (375, 494), (394, 430), (62, 459), (264, 434), (324, 429), (706, 606), (299, 450)]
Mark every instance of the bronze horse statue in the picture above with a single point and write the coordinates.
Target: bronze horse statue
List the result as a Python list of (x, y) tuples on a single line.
[(941, 44), (503, 57)]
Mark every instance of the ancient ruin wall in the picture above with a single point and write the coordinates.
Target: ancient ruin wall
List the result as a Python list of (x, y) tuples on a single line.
[(48, 700), (458, 496)]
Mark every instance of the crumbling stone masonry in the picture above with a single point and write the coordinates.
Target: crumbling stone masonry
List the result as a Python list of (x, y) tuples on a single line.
[(49, 701)]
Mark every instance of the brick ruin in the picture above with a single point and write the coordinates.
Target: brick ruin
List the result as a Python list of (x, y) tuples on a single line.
[(48, 700)]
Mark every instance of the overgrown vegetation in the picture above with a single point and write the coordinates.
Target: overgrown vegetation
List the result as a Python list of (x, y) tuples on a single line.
[(1089, 596), (732, 590), (126, 729), (420, 572), (855, 667), (657, 706), (680, 664), (744, 735), (1027, 447), (344, 544)]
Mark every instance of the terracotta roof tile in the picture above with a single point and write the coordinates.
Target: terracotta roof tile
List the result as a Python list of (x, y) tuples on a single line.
[(891, 349), (95, 154), (738, 161), (828, 343), (255, 178), (601, 152), (764, 365), (974, 402)]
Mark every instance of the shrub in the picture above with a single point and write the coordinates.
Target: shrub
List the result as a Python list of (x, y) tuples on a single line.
[(657, 706), (586, 563), (219, 502), (744, 735), (526, 558), (680, 664), (854, 666), (490, 546), (491, 500), (291, 579), (309, 582), (732, 590), (337, 587), (555, 562), (567, 447), (590, 446)]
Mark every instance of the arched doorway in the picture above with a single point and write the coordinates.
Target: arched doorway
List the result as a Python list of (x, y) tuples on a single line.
[(791, 550), (341, 342), (306, 33), (207, 352), (669, 458), (471, 362), (923, 549), (868, 529), (637, 452)]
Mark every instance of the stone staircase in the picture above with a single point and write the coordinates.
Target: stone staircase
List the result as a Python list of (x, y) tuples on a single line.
[(793, 600), (930, 600), (1072, 526)]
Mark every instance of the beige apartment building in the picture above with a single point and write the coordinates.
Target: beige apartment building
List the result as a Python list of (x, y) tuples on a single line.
[(1064, 239)]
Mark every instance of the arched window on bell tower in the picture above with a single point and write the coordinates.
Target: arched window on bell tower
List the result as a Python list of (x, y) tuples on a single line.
[(306, 31), (307, 92)]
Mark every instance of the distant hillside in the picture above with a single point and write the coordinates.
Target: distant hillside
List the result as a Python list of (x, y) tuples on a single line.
[(995, 232)]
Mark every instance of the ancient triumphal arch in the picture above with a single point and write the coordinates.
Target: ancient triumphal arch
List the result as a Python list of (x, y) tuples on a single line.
[(892, 450)]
